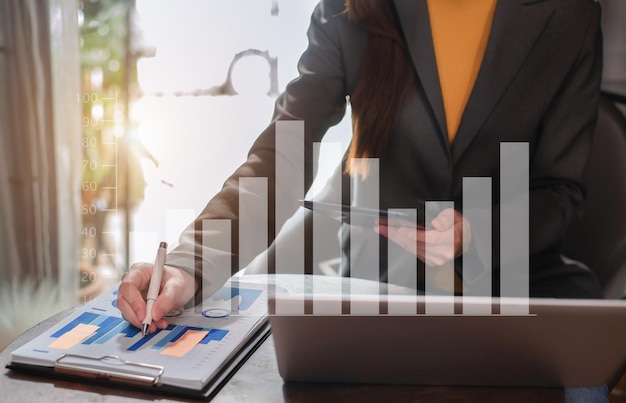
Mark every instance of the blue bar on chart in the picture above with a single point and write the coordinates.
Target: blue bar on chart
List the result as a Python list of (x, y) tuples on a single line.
[(514, 228), (178, 331), (477, 264), (364, 242), (401, 267), (439, 280), (123, 328), (326, 250), (289, 256), (85, 318), (145, 339), (106, 326), (172, 334), (246, 296), (109, 327)]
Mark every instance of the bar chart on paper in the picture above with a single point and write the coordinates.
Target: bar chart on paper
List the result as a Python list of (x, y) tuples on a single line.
[(190, 350), (91, 328)]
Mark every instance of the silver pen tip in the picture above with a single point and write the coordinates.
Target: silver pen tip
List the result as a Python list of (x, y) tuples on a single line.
[(144, 329)]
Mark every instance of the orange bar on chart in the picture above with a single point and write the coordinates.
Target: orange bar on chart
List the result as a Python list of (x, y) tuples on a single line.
[(185, 343), (74, 336)]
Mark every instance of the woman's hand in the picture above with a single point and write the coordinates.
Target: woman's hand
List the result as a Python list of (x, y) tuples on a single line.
[(177, 287), (444, 240)]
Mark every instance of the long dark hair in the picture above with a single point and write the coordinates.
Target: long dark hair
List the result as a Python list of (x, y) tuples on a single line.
[(385, 76)]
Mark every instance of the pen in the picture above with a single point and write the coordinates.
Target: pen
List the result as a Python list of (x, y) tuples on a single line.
[(155, 285)]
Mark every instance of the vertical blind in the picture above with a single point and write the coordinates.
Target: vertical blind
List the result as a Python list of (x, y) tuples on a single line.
[(39, 142)]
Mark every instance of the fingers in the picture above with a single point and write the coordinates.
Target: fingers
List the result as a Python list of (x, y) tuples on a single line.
[(451, 238), (437, 255), (128, 312), (406, 237), (448, 238), (166, 301), (177, 287), (445, 220), (410, 238), (444, 240), (130, 299)]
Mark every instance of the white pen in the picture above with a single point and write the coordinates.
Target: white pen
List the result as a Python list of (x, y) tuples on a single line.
[(155, 285)]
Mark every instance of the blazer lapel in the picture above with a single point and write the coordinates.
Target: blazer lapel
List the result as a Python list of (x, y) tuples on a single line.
[(516, 26), (415, 22)]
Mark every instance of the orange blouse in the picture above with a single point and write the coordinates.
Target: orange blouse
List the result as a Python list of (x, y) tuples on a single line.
[(460, 30)]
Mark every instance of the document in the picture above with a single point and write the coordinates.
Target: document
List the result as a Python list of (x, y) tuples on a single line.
[(199, 343)]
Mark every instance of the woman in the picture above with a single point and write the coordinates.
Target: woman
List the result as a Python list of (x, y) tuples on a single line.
[(435, 87)]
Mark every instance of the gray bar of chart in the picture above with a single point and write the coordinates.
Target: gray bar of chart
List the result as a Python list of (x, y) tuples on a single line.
[(364, 246), (477, 262), (253, 204), (326, 251), (439, 287), (216, 259), (514, 232), (289, 257), (409, 269), (253, 226)]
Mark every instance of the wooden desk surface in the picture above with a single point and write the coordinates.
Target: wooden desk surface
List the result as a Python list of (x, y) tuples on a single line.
[(257, 381)]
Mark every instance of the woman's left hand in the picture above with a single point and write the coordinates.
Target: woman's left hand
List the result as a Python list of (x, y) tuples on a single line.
[(444, 240)]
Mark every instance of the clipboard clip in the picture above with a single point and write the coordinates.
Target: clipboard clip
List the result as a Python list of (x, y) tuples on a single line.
[(109, 367)]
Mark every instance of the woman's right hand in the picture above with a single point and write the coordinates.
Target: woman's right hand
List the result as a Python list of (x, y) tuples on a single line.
[(448, 237), (177, 288)]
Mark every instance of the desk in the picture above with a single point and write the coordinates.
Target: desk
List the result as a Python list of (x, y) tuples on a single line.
[(256, 381)]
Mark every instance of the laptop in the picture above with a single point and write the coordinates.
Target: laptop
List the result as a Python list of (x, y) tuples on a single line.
[(573, 343)]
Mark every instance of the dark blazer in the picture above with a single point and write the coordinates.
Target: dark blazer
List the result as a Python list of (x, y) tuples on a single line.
[(539, 83)]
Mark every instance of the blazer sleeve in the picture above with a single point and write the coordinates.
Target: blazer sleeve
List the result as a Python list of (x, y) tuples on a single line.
[(317, 97), (557, 170), (556, 194)]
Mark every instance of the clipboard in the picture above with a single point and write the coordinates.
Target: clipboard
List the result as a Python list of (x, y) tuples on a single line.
[(146, 382), (117, 355)]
